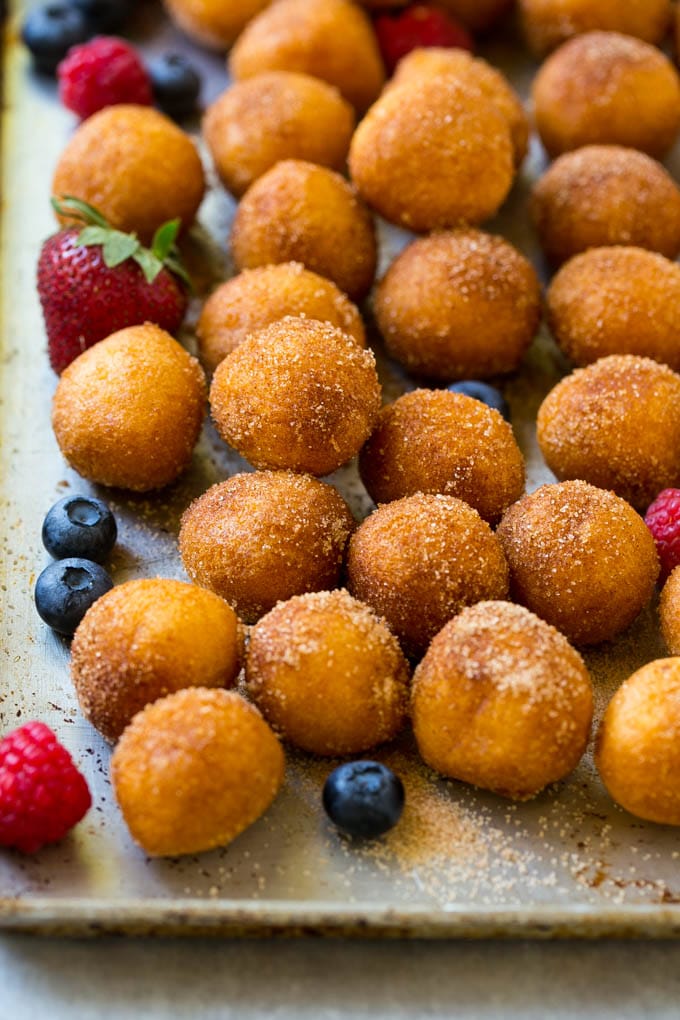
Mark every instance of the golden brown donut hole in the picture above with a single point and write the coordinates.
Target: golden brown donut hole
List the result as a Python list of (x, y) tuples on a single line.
[(669, 612), (128, 411), (257, 297), (193, 770), (615, 424), (437, 441), (548, 23), (265, 536), (299, 394), (603, 87), (297, 212), (637, 750), (274, 116), (580, 558), (502, 700), (213, 23), (145, 639), (419, 560), (328, 674), (458, 305), (606, 195)]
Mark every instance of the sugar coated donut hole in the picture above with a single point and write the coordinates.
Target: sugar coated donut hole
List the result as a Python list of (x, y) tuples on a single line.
[(135, 166), (437, 441), (297, 212), (548, 23), (502, 700), (257, 297), (264, 536), (603, 87), (459, 304), (437, 61), (637, 751), (669, 612), (327, 674), (145, 639), (419, 560), (333, 40), (431, 153), (580, 558), (213, 23), (615, 424), (128, 411), (193, 770), (274, 116), (606, 195), (299, 394), (617, 300)]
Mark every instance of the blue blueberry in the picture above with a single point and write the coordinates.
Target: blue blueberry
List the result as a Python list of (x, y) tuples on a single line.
[(65, 591), (103, 16), (363, 798), (51, 30), (176, 84), (488, 395), (79, 526)]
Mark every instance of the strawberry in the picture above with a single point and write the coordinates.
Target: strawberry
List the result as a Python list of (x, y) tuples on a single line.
[(418, 25), (94, 280)]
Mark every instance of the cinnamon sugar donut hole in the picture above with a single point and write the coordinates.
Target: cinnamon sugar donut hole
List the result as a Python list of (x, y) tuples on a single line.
[(274, 116), (213, 23), (431, 153), (419, 560), (437, 441), (437, 61), (637, 751), (617, 301), (548, 23), (606, 195), (193, 770), (669, 612), (603, 87), (580, 558), (333, 41), (257, 297), (327, 674), (145, 639), (459, 305), (615, 424), (501, 700), (262, 537), (135, 166), (299, 394), (128, 411), (297, 212)]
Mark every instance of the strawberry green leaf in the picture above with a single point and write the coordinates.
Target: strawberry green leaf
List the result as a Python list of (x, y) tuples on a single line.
[(164, 239), (93, 235), (75, 208), (176, 266), (118, 247), (150, 265)]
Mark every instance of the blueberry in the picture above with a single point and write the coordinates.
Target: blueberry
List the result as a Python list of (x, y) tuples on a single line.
[(103, 15), (363, 798), (176, 84), (51, 30), (79, 526), (65, 591), (488, 395)]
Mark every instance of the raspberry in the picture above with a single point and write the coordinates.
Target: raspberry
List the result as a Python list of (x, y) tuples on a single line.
[(42, 793), (419, 25), (100, 73), (663, 520)]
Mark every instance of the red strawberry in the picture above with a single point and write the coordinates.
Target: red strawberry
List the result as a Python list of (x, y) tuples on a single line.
[(94, 280), (419, 25)]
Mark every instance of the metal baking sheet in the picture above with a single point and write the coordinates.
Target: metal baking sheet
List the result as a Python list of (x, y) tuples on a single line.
[(461, 862)]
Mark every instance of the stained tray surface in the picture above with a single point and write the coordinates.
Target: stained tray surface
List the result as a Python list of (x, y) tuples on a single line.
[(461, 862)]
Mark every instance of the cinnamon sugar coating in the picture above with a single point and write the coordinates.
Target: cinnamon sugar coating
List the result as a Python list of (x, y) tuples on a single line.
[(213, 23), (580, 558), (327, 674), (145, 639), (669, 612), (615, 424), (502, 700), (548, 23), (193, 770), (262, 537)]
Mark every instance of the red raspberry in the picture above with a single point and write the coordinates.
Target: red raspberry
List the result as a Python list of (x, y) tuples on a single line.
[(663, 520), (100, 73), (420, 25), (42, 793)]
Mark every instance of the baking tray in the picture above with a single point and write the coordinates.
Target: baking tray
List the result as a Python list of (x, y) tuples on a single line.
[(461, 862)]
